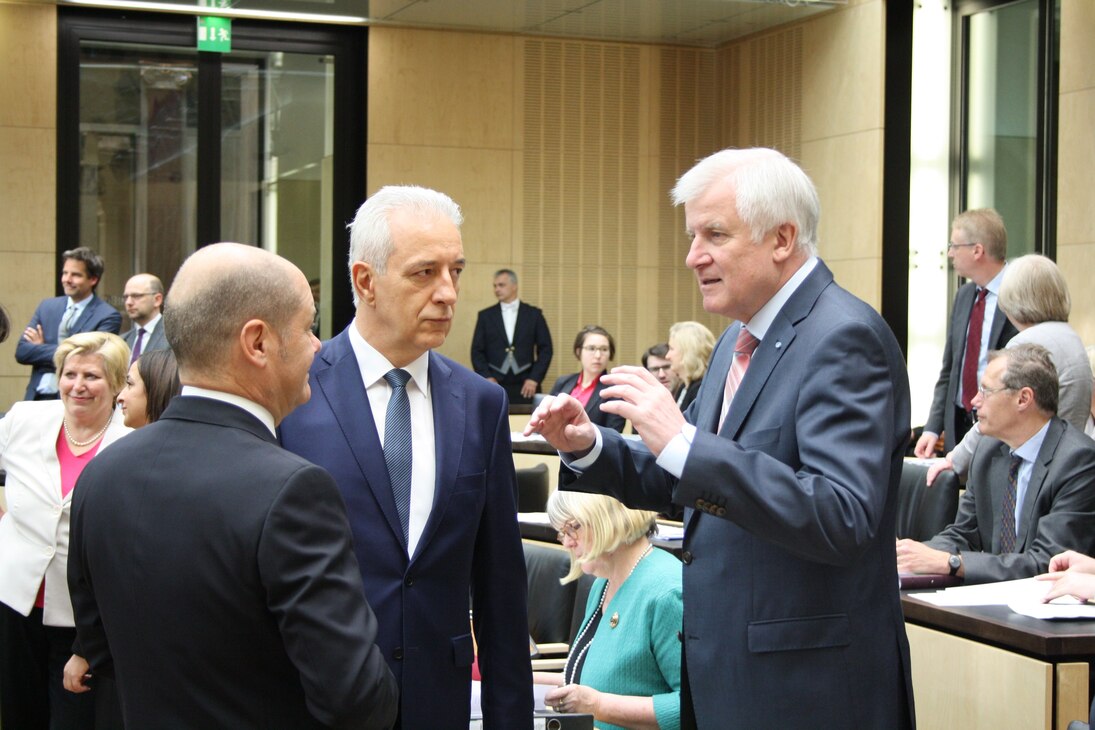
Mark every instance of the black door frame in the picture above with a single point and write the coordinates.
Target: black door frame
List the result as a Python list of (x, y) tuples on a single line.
[(348, 44)]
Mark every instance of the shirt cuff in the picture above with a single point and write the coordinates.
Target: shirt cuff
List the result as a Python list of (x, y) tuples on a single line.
[(579, 465), (676, 451)]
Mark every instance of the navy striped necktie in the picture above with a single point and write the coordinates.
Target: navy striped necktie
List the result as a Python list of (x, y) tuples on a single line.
[(397, 446)]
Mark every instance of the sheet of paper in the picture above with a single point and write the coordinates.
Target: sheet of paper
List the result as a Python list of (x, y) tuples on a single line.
[(517, 436), (1054, 610), (1024, 591)]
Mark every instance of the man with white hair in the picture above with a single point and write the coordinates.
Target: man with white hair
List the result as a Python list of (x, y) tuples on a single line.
[(420, 448), (786, 466)]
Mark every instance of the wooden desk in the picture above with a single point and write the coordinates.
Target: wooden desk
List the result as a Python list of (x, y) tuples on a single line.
[(987, 667)]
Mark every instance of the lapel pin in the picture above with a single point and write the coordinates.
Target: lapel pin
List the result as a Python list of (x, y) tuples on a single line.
[(779, 345)]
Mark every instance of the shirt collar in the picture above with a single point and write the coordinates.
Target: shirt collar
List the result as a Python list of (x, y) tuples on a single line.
[(374, 366), (151, 324), (512, 305), (764, 317), (1030, 448), (81, 305), (239, 401), (994, 285)]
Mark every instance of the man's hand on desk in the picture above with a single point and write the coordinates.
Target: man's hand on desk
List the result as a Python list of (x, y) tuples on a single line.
[(1073, 574), (645, 402), (1078, 585), (564, 424), (1072, 560), (916, 557)]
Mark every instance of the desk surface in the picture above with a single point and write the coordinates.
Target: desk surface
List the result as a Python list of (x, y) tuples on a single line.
[(534, 447), (1052, 641)]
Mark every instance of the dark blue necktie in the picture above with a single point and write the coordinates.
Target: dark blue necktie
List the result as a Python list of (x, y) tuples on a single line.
[(397, 445)]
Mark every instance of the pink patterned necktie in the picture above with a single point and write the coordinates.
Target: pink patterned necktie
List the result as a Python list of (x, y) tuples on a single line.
[(743, 353)]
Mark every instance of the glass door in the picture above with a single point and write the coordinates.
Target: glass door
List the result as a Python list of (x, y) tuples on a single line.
[(173, 149)]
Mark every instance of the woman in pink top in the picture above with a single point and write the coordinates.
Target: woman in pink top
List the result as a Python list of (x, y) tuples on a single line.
[(44, 445)]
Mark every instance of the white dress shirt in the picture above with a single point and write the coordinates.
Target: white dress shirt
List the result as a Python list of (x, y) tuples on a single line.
[(373, 366), (509, 317)]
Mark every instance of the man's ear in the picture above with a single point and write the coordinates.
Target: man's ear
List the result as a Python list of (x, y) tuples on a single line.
[(364, 279), (786, 238), (1026, 398), (256, 342)]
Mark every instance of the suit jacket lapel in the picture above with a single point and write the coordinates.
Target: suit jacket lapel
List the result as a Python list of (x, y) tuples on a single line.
[(1037, 481), (776, 342), (47, 446), (340, 382), (495, 314), (449, 401), (999, 319), (85, 316)]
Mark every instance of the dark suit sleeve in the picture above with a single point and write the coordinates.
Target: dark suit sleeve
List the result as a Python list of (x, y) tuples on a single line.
[(41, 356), (963, 534), (479, 362), (544, 350), (934, 424), (499, 585), (1069, 523), (314, 590), (91, 642), (110, 319)]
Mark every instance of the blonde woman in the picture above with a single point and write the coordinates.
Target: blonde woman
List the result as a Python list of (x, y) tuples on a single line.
[(690, 346), (624, 666), (44, 446)]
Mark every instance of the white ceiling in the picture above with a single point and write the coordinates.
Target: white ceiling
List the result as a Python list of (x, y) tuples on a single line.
[(702, 23)]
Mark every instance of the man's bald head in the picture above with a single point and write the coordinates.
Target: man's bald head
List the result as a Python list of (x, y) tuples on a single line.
[(218, 289)]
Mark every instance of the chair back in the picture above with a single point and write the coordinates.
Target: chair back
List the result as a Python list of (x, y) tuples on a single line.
[(555, 611), (533, 488), (923, 511)]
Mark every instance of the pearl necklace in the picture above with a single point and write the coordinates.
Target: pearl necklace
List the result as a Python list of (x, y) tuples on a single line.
[(93, 439), (572, 666)]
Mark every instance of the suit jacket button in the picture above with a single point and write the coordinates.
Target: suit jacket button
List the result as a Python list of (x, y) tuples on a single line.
[(397, 653), (408, 582), (701, 504), (686, 557), (721, 512)]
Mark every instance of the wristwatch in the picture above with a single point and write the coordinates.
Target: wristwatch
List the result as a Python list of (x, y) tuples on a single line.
[(955, 562)]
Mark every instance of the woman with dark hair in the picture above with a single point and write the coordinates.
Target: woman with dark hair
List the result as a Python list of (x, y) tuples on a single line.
[(594, 348), (150, 385)]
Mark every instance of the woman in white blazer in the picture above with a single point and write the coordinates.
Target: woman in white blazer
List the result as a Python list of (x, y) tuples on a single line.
[(43, 447)]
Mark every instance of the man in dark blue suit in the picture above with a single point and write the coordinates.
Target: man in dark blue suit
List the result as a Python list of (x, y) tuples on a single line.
[(58, 317), (786, 464), (511, 344), (420, 449)]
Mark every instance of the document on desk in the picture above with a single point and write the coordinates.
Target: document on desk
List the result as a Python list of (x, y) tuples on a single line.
[(1021, 596)]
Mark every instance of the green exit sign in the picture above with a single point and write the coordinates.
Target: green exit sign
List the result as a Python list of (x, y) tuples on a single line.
[(214, 34)]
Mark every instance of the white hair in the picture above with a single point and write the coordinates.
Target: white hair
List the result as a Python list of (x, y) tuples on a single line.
[(769, 190), (371, 231)]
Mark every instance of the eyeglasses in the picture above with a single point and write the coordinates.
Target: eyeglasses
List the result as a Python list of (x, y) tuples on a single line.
[(986, 392), (595, 348), (951, 246), (137, 296), (570, 529), (659, 368)]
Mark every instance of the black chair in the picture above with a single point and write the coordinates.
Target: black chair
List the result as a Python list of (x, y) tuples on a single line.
[(555, 611), (923, 511), (533, 488)]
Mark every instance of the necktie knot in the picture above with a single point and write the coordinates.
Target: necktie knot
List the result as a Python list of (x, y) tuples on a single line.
[(746, 343), (982, 293), (397, 378)]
